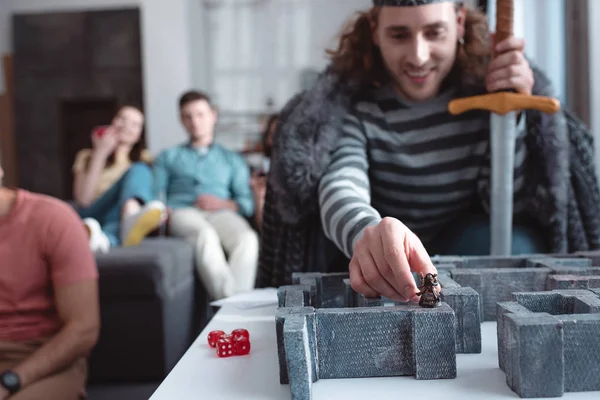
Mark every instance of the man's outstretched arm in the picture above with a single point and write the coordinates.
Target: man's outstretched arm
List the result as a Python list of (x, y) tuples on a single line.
[(383, 252), (344, 190)]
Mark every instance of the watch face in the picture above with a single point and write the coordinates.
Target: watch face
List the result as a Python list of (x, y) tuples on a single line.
[(11, 379)]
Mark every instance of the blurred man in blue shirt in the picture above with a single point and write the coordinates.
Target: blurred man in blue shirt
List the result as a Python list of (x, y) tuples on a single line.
[(207, 187)]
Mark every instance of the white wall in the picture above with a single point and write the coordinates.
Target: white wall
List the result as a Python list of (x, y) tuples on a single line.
[(166, 60), (327, 17), (198, 44), (167, 68)]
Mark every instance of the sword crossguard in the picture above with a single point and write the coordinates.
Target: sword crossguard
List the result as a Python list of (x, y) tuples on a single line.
[(503, 103)]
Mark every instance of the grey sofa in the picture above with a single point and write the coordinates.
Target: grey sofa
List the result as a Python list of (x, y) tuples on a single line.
[(152, 309)]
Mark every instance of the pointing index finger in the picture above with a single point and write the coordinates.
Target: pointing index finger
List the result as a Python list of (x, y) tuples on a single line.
[(394, 236)]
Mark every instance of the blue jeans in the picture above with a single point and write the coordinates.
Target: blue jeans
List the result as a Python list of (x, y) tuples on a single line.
[(471, 236), (136, 183)]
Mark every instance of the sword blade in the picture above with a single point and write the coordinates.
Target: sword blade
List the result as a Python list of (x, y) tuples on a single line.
[(502, 137)]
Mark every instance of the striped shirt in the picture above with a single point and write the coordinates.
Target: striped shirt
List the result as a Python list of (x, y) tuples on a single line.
[(411, 161)]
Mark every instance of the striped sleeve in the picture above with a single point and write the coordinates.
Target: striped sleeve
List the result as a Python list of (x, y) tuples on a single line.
[(519, 171), (344, 190)]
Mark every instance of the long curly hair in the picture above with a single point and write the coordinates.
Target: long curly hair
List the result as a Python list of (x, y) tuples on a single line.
[(358, 59)]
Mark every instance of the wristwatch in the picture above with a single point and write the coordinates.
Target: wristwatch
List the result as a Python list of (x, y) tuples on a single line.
[(10, 381)]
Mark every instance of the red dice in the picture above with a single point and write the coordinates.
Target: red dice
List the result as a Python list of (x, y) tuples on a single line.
[(241, 345), (225, 347), (235, 344), (213, 337), (240, 332)]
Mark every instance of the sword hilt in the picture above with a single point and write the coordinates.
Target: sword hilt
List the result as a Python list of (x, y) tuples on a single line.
[(504, 19), (503, 103)]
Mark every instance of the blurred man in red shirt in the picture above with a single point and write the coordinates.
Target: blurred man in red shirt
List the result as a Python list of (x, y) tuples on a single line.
[(49, 312)]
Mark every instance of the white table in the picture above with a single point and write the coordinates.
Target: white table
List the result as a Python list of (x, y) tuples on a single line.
[(200, 374)]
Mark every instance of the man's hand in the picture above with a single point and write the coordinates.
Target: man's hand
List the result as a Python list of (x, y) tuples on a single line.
[(3, 393), (384, 259), (208, 202), (509, 69)]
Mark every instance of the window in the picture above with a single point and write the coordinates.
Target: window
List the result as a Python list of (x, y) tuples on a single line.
[(258, 50), (259, 53)]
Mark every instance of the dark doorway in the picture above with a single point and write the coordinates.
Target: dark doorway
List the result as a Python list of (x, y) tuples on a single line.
[(60, 60), (78, 118)]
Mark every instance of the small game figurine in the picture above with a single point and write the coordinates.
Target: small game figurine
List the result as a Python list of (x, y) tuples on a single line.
[(235, 344), (430, 297)]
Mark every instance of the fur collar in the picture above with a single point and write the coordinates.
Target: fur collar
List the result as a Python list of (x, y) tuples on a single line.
[(310, 125)]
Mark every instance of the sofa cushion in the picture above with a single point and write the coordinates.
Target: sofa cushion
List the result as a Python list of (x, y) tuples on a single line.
[(156, 266)]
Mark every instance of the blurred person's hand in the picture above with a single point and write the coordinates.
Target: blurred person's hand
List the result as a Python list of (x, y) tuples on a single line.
[(106, 142), (209, 202)]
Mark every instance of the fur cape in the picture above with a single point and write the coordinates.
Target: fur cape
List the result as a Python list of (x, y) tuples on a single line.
[(564, 196)]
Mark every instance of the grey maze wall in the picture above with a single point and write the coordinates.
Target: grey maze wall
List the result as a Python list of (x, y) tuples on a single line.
[(325, 330)]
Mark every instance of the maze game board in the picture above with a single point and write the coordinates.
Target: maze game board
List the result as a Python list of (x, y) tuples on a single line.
[(547, 310)]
